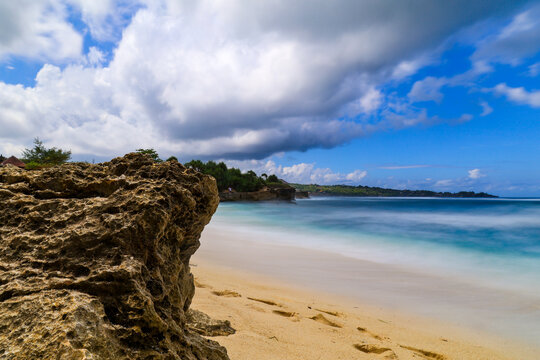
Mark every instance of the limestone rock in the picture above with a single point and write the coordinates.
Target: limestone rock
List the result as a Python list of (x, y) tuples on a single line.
[(204, 325), (285, 193), (94, 260)]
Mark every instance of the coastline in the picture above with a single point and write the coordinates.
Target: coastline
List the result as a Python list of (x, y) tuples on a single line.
[(233, 261)]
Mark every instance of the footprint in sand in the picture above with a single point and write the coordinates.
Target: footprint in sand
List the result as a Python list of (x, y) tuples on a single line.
[(424, 353), (286, 314), (321, 319), (374, 349), (201, 285), (365, 331), (226, 293), (333, 313), (267, 302), (256, 308)]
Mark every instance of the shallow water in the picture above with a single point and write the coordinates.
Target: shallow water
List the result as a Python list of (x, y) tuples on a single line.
[(482, 255)]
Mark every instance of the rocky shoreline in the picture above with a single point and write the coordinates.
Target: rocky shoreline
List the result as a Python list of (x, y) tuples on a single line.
[(265, 194)]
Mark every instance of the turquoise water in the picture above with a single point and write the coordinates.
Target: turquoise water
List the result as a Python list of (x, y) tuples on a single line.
[(492, 242)]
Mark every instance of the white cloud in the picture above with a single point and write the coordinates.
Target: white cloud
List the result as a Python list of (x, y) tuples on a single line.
[(37, 29), (428, 89), (370, 101), (519, 95), (105, 18), (443, 183), (475, 174), (237, 79), (534, 69), (486, 109), (516, 41), (95, 57), (356, 176), (303, 173)]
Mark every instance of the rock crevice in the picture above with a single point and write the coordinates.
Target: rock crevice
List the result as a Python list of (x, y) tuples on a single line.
[(94, 260)]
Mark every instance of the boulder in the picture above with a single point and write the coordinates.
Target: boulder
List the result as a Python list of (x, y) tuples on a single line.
[(94, 260)]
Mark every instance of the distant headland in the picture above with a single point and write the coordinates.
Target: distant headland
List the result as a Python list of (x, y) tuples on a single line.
[(348, 190)]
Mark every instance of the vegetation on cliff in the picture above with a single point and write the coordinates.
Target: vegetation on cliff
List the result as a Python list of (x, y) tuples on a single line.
[(347, 190), (40, 157), (150, 152), (234, 178)]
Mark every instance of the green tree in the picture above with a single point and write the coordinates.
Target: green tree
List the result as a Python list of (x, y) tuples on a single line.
[(172, 158), (273, 179), (2, 158), (39, 155), (196, 165), (150, 152), (229, 178)]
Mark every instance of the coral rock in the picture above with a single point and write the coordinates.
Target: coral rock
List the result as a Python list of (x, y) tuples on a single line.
[(205, 325), (94, 260)]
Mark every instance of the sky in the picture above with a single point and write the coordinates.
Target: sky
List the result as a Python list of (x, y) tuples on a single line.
[(420, 94)]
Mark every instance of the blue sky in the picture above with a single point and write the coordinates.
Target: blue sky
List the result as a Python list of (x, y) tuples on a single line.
[(418, 95)]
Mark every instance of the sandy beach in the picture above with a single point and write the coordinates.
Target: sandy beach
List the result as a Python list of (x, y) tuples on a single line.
[(276, 317)]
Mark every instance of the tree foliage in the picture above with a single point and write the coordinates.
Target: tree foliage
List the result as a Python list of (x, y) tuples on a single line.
[(40, 156), (150, 152), (2, 158), (273, 179), (229, 178)]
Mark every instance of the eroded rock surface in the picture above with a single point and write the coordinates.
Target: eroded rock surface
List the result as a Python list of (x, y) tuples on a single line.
[(205, 325), (94, 260)]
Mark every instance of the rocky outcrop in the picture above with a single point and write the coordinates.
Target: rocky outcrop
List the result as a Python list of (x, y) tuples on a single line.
[(205, 325), (301, 194), (94, 260), (265, 194)]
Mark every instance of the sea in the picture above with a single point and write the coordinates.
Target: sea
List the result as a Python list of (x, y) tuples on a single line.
[(473, 261)]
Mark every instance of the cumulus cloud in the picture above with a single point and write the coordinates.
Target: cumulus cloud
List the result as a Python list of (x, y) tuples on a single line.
[(303, 173), (237, 79), (475, 174), (105, 18), (37, 29), (519, 95)]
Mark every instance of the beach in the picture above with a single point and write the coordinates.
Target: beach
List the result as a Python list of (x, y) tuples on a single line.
[(291, 302)]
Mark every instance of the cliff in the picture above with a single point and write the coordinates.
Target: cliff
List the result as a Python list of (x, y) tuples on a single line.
[(94, 260), (286, 193)]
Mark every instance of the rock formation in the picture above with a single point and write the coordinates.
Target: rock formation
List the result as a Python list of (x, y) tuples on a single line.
[(286, 193), (94, 260), (204, 325)]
